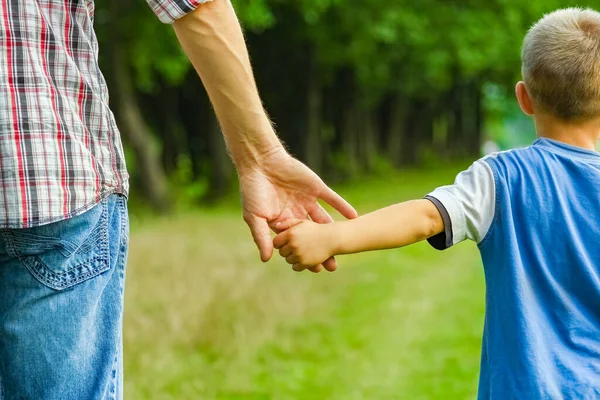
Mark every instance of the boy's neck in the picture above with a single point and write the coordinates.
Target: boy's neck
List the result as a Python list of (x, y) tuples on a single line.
[(584, 134)]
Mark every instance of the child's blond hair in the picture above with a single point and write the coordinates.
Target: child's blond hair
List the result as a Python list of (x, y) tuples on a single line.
[(561, 64)]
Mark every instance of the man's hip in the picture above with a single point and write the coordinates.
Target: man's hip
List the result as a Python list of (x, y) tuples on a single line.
[(61, 306)]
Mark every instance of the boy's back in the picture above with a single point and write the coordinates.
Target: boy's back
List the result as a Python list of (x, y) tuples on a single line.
[(534, 214)]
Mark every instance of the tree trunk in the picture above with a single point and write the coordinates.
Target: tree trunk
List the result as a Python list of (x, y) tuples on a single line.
[(313, 143), (221, 168), (136, 132), (366, 133), (478, 118), (418, 129), (349, 133), (171, 127), (440, 133), (397, 127), (467, 110), (195, 112), (456, 106)]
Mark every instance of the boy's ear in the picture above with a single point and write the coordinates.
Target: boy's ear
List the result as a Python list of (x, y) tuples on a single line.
[(524, 98)]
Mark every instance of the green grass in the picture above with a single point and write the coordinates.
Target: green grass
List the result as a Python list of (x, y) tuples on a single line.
[(206, 320)]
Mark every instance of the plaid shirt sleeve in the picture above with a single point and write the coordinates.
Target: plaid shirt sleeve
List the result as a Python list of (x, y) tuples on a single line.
[(168, 11)]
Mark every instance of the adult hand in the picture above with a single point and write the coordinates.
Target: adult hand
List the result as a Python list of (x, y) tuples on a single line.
[(275, 187), (280, 189)]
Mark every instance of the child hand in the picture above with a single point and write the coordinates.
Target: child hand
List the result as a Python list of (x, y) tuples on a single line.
[(305, 244)]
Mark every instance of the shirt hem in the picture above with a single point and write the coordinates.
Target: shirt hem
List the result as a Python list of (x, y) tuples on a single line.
[(88, 206)]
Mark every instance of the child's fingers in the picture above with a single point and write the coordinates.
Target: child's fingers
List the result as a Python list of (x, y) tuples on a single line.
[(285, 251), (287, 224), (298, 267), (316, 269), (292, 259), (280, 240)]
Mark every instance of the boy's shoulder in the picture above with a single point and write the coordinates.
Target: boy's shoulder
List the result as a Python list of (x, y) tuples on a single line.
[(543, 162), (512, 154), (517, 160)]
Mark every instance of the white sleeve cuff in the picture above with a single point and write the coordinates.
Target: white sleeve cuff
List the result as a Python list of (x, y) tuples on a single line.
[(453, 217), (467, 207)]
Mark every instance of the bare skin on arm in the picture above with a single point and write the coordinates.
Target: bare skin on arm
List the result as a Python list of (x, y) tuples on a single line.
[(275, 187), (305, 243)]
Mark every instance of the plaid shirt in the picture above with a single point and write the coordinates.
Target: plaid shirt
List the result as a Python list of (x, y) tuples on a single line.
[(60, 149)]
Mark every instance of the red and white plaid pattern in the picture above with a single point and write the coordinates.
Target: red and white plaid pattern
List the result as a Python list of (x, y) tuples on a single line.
[(60, 149), (170, 10)]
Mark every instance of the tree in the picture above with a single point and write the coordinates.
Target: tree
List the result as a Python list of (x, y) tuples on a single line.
[(346, 83)]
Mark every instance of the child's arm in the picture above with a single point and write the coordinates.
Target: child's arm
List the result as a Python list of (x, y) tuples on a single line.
[(306, 243)]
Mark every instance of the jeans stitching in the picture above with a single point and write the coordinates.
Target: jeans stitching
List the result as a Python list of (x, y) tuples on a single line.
[(121, 261), (67, 247), (62, 281), (74, 276)]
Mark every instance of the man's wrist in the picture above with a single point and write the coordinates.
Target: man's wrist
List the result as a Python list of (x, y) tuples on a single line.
[(250, 156)]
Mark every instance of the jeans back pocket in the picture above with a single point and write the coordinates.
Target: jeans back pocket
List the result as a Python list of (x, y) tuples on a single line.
[(65, 253)]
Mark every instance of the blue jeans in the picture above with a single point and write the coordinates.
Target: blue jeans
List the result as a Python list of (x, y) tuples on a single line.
[(61, 306)]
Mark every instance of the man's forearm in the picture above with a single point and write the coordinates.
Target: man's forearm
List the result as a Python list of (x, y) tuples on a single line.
[(392, 227), (212, 38)]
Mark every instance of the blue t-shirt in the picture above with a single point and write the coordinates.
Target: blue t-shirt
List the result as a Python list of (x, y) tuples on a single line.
[(534, 214)]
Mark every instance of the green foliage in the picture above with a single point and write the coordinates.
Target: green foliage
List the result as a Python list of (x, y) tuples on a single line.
[(426, 60), (153, 50), (155, 54), (401, 45), (413, 47), (256, 15)]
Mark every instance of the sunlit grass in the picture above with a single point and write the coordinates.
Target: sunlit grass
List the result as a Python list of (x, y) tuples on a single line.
[(206, 320)]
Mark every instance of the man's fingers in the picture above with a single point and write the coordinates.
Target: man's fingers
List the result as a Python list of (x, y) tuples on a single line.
[(261, 235), (319, 215), (330, 264), (337, 202)]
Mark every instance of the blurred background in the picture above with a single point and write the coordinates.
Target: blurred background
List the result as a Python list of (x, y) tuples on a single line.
[(386, 99)]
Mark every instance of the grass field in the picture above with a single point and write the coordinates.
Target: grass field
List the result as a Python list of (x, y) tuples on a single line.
[(206, 320)]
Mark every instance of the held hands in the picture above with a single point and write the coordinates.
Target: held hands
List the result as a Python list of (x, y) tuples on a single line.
[(277, 192), (305, 243)]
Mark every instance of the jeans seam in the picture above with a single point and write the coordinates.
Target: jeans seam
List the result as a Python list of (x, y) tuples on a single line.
[(121, 260)]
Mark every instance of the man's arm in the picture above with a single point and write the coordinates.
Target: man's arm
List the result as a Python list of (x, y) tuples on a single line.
[(304, 243), (212, 38), (275, 187)]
